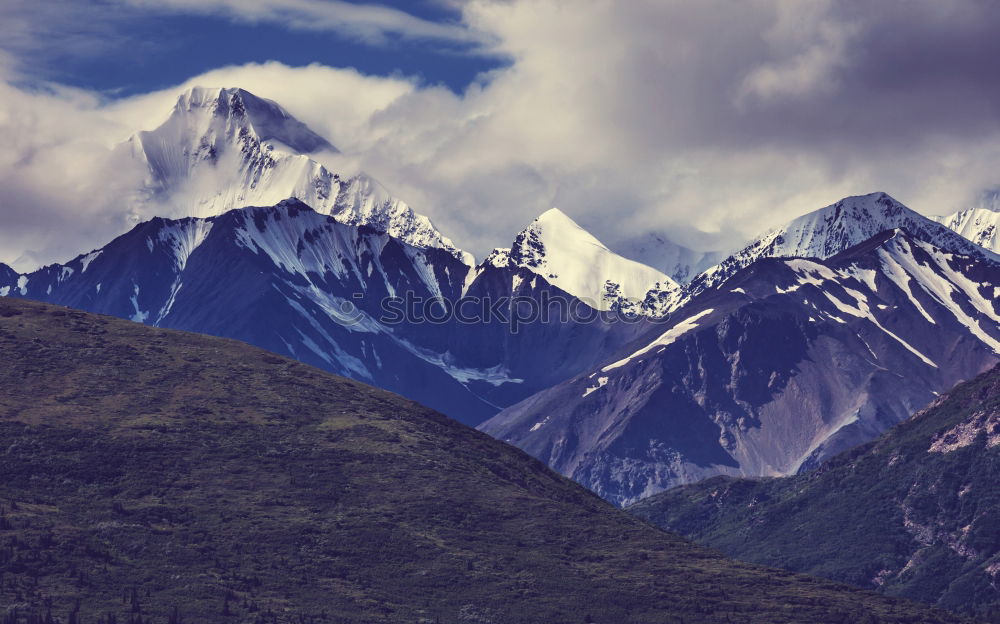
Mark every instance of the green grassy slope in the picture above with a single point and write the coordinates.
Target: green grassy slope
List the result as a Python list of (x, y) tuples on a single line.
[(163, 476), (914, 514)]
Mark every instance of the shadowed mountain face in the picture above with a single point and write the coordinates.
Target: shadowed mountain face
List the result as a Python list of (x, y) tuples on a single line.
[(302, 284), (912, 514), (147, 470), (786, 364), (7, 275), (284, 278)]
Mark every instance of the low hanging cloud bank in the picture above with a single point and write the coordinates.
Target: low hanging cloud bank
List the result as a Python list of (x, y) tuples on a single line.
[(707, 121)]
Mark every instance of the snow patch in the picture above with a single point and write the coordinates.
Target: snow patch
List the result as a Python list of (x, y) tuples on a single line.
[(348, 362), (87, 259), (898, 275), (495, 375), (944, 283), (862, 310), (183, 237), (538, 425), (665, 339), (601, 382), (137, 315), (165, 310)]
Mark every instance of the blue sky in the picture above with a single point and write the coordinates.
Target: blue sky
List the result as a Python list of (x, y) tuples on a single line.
[(122, 50)]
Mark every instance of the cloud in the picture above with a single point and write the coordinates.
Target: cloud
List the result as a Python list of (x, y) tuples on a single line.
[(336, 102), (60, 185), (656, 115), (811, 47), (708, 121)]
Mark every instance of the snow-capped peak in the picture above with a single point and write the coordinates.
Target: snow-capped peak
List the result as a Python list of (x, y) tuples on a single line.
[(980, 224), (226, 148), (830, 230), (572, 259), (268, 120), (835, 228), (558, 231), (557, 218)]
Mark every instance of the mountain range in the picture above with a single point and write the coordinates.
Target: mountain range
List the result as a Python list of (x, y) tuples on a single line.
[(608, 369), (830, 230), (914, 513), (752, 374), (792, 361), (302, 284)]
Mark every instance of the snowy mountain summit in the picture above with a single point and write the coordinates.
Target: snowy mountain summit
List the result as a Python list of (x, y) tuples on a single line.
[(570, 258), (980, 224), (828, 231), (226, 148)]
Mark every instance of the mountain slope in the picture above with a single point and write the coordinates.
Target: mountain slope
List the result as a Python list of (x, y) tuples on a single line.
[(831, 230), (542, 335), (8, 276), (222, 149), (172, 476), (913, 514), (790, 362)]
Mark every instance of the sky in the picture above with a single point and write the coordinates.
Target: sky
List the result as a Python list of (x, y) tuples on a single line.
[(705, 122)]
